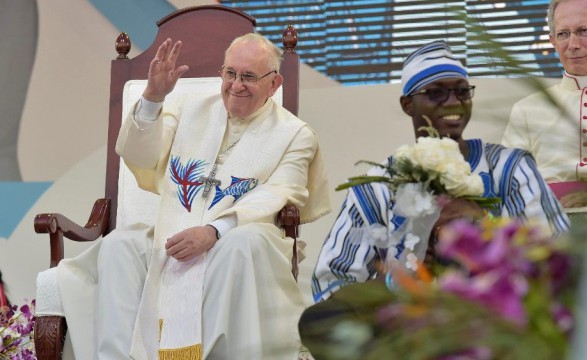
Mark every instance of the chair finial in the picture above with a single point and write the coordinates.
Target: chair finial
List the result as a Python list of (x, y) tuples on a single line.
[(122, 45), (290, 39)]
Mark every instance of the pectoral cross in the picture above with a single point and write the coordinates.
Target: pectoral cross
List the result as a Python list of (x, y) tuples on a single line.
[(209, 181)]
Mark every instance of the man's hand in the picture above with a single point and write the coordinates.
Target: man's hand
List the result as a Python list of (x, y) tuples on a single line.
[(460, 209), (576, 199), (451, 210), (191, 242), (163, 74)]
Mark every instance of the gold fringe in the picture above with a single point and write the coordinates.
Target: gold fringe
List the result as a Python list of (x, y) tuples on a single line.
[(193, 352)]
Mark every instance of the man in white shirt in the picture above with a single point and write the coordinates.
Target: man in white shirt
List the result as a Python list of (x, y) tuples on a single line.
[(212, 279), (557, 137)]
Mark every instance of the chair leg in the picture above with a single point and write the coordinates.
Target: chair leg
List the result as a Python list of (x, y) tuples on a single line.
[(50, 337)]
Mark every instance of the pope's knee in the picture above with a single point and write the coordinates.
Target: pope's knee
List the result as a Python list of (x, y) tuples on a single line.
[(129, 244), (249, 239), (116, 242)]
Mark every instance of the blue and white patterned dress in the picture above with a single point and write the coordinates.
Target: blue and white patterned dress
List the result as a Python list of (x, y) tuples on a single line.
[(350, 251)]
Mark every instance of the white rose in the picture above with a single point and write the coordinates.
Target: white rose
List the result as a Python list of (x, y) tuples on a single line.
[(455, 168), (403, 152), (458, 180), (475, 185), (428, 154), (450, 147), (464, 185)]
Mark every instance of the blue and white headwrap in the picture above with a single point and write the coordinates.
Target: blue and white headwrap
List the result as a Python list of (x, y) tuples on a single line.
[(429, 63)]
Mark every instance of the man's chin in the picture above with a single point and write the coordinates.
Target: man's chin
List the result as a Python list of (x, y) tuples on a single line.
[(238, 113), (578, 71), (454, 134), (444, 129)]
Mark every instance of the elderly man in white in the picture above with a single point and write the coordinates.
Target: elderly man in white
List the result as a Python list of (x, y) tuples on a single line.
[(558, 137), (212, 279)]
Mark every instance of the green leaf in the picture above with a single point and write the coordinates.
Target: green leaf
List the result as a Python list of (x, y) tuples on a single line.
[(359, 180)]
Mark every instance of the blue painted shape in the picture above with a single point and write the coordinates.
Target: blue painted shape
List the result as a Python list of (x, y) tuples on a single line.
[(137, 18), (16, 200)]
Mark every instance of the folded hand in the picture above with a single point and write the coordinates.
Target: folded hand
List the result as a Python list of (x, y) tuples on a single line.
[(451, 210), (191, 242)]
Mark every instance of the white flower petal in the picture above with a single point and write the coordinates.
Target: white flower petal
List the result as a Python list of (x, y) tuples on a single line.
[(411, 241), (412, 262)]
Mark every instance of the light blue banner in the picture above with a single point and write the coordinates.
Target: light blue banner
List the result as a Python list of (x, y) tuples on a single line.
[(16, 198)]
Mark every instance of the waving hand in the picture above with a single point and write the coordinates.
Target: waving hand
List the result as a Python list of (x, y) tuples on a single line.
[(163, 73)]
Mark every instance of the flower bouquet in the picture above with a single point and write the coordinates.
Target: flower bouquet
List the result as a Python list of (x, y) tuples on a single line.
[(423, 177), (16, 332), (504, 292), (434, 162)]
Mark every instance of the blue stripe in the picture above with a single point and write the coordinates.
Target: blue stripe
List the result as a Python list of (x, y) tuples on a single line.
[(426, 49), (438, 70), (329, 289), (339, 228), (548, 201), (365, 195), (341, 264), (508, 185), (475, 152)]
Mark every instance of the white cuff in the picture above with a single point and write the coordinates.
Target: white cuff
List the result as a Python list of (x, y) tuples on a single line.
[(224, 224), (147, 110)]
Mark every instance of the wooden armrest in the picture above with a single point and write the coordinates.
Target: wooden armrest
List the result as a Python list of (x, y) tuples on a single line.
[(289, 219), (58, 226)]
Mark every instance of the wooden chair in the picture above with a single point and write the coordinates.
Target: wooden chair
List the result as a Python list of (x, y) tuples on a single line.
[(206, 31)]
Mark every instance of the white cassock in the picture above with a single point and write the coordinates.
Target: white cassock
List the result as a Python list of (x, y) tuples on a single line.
[(239, 300), (557, 138)]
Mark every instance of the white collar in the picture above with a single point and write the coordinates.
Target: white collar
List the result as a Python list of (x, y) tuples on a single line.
[(573, 82)]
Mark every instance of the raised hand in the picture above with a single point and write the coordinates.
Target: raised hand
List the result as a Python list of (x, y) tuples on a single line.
[(163, 73)]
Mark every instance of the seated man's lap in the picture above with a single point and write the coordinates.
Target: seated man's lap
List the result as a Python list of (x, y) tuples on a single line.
[(134, 243), (249, 285), (254, 239)]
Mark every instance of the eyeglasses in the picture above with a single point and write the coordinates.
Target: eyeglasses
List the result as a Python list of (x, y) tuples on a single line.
[(246, 78), (440, 95), (566, 34)]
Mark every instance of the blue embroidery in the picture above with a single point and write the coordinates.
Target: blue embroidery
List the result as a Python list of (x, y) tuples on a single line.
[(187, 179), (237, 188)]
